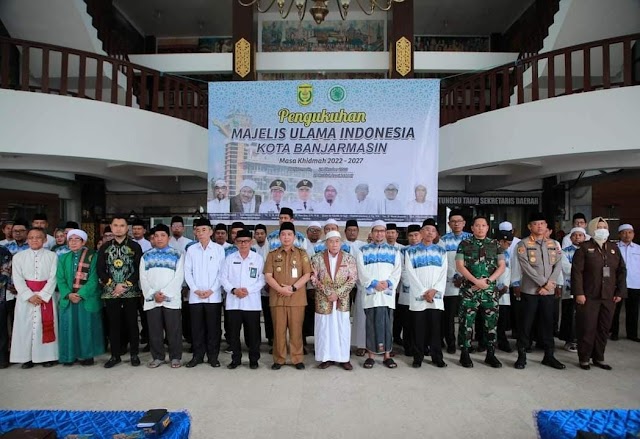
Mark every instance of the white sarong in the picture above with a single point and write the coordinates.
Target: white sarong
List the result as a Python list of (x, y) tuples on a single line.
[(333, 336)]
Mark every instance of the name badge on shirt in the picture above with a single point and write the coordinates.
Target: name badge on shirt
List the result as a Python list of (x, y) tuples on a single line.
[(606, 271), (253, 272), (294, 272)]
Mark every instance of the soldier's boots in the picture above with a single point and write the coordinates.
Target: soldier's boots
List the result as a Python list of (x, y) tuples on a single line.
[(465, 359), (521, 362), (491, 359)]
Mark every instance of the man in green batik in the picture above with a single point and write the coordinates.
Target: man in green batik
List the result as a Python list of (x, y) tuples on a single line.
[(480, 261)]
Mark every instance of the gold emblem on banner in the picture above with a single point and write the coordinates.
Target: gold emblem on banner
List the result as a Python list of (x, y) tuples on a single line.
[(242, 57), (305, 94)]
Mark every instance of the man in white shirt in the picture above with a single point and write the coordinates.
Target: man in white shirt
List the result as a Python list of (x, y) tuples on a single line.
[(202, 266), (246, 201), (276, 203), (243, 279), (35, 325), (330, 204), (40, 221), (138, 230), (631, 255), (161, 276), (364, 204), (304, 203), (391, 204), (220, 202)]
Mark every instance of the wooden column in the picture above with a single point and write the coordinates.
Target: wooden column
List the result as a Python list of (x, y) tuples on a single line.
[(244, 43), (401, 40)]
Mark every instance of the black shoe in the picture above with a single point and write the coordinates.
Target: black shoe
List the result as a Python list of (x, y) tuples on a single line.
[(270, 342), (585, 366), (27, 365), (194, 362), (87, 362), (214, 363), (491, 359), (614, 337), (481, 348), (4, 365), (505, 347), (440, 363), (233, 365), (451, 349), (135, 361), (276, 366), (416, 364), (49, 363), (427, 351), (147, 348), (521, 362), (529, 350), (551, 361), (299, 366), (398, 341), (112, 362), (465, 360), (253, 365), (636, 339), (604, 366)]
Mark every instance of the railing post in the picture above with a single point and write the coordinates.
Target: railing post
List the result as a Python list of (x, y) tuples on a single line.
[(82, 82), (114, 81), (493, 90), (586, 74), (44, 78), (4, 69), (520, 82), (99, 74), (129, 92), (64, 73), (627, 57), (24, 76), (551, 69), (568, 83), (535, 86), (606, 66)]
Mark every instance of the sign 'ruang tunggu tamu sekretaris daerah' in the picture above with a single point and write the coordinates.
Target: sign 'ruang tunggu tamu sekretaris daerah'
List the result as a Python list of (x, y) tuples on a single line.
[(342, 149)]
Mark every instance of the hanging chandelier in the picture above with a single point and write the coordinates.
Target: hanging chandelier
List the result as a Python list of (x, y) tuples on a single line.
[(319, 8)]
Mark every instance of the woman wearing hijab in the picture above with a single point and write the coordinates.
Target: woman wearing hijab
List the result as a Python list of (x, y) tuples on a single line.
[(598, 282), (80, 322)]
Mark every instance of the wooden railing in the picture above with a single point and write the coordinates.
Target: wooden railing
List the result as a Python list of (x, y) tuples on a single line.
[(118, 37), (46, 68), (557, 73)]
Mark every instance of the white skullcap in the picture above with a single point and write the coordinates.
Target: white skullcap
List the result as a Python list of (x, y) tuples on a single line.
[(394, 185), (332, 234), (625, 227), (505, 226), (577, 229), (314, 224), (248, 183), (220, 183), (378, 223), (77, 232), (331, 221)]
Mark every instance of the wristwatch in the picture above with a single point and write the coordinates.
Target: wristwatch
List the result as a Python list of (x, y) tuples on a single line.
[(233, 291), (293, 288)]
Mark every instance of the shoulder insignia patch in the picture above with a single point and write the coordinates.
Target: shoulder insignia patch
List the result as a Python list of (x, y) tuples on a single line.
[(521, 250)]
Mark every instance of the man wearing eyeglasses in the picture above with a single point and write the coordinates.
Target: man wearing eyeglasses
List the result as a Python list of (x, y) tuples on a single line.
[(242, 278), (220, 202)]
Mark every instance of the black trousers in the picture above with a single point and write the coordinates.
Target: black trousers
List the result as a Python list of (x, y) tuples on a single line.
[(556, 314), (165, 321), (515, 314), (206, 329), (308, 326), (593, 322), (568, 321), (250, 320), (268, 320), (451, 310), (426, 329), (631, 307), (403, 316), (542, 305), (123, 316), (186, 315), (144, 332), (6, 314), (504, 316)]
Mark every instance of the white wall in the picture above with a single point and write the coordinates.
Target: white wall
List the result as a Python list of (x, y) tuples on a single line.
[(579, 124), (60, 126)]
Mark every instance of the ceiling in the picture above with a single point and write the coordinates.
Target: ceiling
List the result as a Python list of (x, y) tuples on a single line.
[(213, 17)]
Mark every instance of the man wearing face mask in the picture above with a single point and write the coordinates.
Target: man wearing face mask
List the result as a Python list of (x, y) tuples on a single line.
[(598, 282)]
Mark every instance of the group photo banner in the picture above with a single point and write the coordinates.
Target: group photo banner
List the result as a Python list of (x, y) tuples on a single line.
[(342, 149)]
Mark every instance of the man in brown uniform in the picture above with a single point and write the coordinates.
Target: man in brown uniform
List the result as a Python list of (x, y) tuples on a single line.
[(287, 271), (598, 282)]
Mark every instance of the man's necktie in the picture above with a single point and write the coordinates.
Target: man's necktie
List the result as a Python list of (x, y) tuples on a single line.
[(304, 203), (278, 207)]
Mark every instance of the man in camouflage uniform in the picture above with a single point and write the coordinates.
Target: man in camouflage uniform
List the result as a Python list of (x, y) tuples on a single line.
[(480, 261)]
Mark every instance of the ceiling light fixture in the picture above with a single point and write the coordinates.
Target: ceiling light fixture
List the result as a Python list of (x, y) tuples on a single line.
[(319, 8)]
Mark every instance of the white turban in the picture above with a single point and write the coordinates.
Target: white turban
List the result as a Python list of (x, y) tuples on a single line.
[(378, 223), (77, 232), (332, 234), (577, 230), (249, 183), (331, 221), (314, 224), (505, 226)]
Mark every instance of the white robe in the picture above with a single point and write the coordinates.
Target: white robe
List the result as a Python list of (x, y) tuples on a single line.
[(26, 340)]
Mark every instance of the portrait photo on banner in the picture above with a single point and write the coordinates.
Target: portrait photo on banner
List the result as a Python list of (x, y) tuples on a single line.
[(324, 148)]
